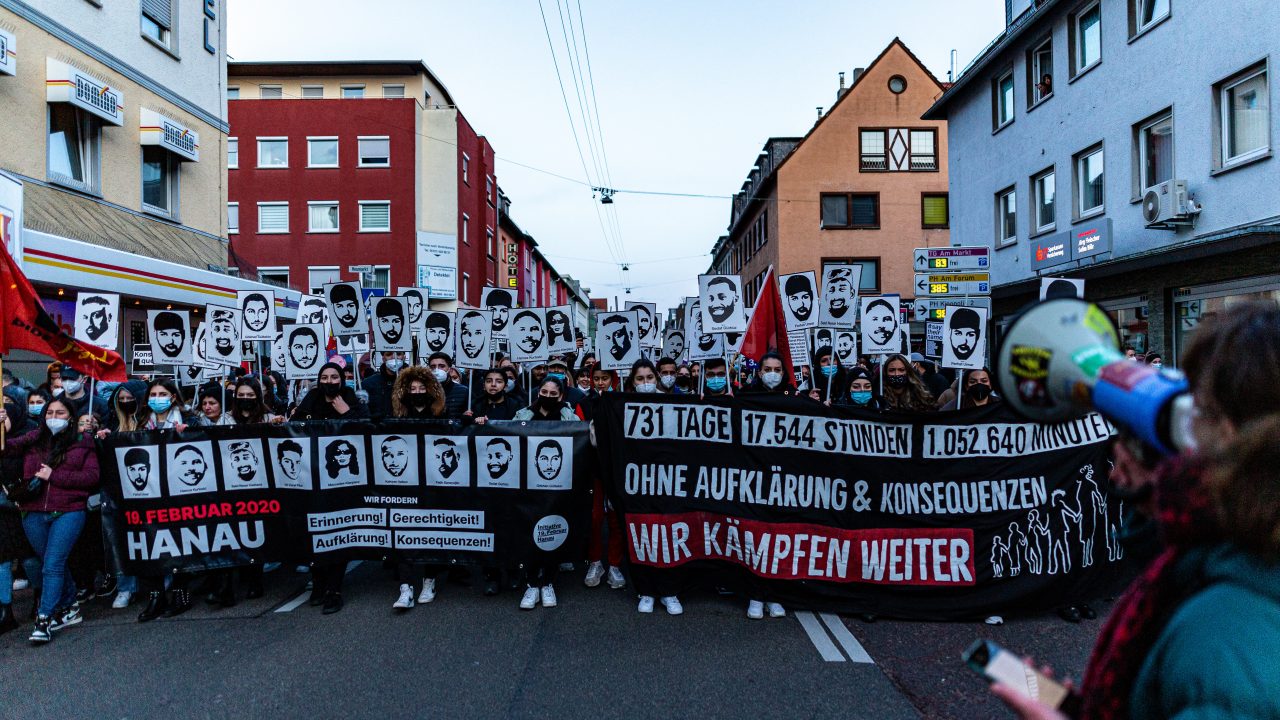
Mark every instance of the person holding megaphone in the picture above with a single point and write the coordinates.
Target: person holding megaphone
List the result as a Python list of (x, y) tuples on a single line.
[(1197, 634)]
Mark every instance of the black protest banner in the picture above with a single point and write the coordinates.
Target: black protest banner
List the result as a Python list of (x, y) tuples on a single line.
[(950, 516), (498, 494)]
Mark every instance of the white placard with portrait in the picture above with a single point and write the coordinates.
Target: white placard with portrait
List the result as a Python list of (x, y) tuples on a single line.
[(723, 309)]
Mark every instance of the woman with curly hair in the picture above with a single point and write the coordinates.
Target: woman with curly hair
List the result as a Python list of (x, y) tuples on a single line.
[(417, 394), (903, 389)]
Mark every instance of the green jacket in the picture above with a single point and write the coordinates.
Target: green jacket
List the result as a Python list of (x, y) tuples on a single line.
[(1218, 657)]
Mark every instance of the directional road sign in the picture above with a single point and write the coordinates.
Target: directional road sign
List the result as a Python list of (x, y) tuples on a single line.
[(952, 259), (949, 284), (931, 309)]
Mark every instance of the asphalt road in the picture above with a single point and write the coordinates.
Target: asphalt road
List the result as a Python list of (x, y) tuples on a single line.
[(468, 656)]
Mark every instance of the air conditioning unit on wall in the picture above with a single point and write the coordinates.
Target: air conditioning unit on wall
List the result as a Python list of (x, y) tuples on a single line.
[(1169, 204)]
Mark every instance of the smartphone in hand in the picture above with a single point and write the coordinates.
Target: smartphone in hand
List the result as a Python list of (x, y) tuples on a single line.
[(999, 665)]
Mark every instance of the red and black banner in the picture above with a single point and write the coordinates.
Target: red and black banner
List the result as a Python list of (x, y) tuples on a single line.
[(497, 495), (948, 516)]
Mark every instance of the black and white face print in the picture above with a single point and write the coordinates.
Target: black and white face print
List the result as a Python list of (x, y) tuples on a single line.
[(617, 339), (527, 334), (499, 459), (346, 311), (278, 351), (673, 343), (391, 329), (723, 309), (98, 319), (313, 310), (417, 300), (395, 459), (647, 322), (475, 336), (304, 349), (799, 300), (701, 345), (190, 468), (438, 336), (550, 463), (880, 325), (168, 331), (199, 345), (354, 345), (448, 462), (846, 348), (499, 301), (840, 285), (824, 337), (560, 338), (258, 311), (139, 472), (242, 465), (342, 462), (222, 335), (964, 338), (291, 463)]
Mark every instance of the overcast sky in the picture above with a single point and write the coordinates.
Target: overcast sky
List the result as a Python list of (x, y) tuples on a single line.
[(688, 92)]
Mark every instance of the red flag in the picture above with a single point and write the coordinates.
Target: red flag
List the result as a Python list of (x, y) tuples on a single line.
[(767, 330), (28, 327)]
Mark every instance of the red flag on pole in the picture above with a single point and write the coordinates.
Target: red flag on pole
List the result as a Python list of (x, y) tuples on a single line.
[(27, 326), (767, 330)]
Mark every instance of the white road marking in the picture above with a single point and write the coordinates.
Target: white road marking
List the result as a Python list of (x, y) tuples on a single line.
[(302, 597), (819, 637), (851, 646)]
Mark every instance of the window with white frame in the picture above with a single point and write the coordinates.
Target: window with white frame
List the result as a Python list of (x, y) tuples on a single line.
[(374, 151), (318, 277), (490, 249), (273, 152), (352, 92), (270, 92), (273, 217), (1086, 38), (392, 91), (1146, 13), (1089, 188), (872, 150), (466, 168), (1002, 100), (233, 153), (1006, 216), (160, 172), (157, 20), (924, 149), (312, 92), (322, 216), (1040, 72), (1244, 117), (274, 276), (322, 152), (375, 216), (1155, 152), (466, 228), (380, 278), (1044, 195), (233, 92), (466, 287), (75, 141), (233, 218)]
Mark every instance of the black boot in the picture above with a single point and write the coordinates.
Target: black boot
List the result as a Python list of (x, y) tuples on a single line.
[(252, 577), (179, 602), (332, 603), (7, 621), (155, 607)]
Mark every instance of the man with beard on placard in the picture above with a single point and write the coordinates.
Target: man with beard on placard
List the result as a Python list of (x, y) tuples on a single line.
[(798, 291), (966, 332), (840, 294), (439, 329), (345, 307)]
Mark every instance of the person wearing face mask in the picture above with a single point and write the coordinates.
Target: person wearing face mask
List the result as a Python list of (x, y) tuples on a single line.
[(164, 407), (36, 400), (771, 378), (1155, 360), (716, 382), (903, 390), (668, 373), (978, 389), (829, 378), (378, 385), (250, 407), (559, 369), (860, 393), (13, 539), (124, 408), (74, 388), (643, 378), (60, 466), (455, 394), (330, 399), (495, 401), (52, 385)]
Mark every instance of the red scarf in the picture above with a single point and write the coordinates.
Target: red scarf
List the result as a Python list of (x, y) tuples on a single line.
[(1183, 511)]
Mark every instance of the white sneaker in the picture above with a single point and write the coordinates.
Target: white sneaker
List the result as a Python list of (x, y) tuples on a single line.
[(646, 604), (755, 609), (548, 596), (405, 601), (21, 584), (673, 606), (428, 590), (530, 599), (775, 610), (994, 620), (595, 571), (122, 600), (616, 581)]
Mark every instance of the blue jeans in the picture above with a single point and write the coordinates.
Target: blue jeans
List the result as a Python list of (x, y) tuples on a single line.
[(52, 536), (31, 565)]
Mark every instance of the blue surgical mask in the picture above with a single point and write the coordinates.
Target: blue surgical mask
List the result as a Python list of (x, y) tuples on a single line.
[(1157, 365), (647, 387), (556, 375), (511, 385), (829, 370), (351, 384), (34, 409), (716, 384), (860, 397), (57, 425), (160, 404)]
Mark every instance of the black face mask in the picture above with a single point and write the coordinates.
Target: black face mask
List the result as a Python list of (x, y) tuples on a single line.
[(979, 391), (897, 381), (548, 403), (246, 405), (330, 390), (128, 407), (682, 382), (418, 400)]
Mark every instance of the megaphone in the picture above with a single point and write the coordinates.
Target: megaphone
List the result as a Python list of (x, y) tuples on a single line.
[(1061, 359)]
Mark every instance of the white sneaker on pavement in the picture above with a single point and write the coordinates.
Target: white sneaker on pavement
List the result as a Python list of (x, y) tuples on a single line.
[(405, 601), (21, 584), (616, 580), (530, 599), (755, 609), (595, 571), (672, 604), (122, 600), (994, 620), (548, 596), (646, 604), (775, 610), (428, 590)]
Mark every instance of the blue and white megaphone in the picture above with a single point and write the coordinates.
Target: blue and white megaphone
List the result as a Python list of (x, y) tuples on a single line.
[(1061, 358)]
